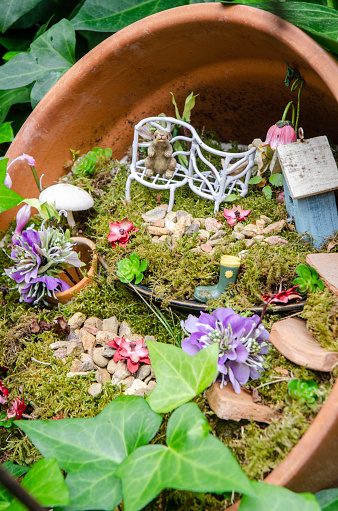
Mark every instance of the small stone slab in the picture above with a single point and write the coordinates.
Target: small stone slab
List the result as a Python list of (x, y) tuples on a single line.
[(327, 267), (293, 340), (231, 406)]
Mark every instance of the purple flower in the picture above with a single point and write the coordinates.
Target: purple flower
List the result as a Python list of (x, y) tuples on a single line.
[(22, 217), (37, 288), (241, 344), (8, 182), (29, 159)]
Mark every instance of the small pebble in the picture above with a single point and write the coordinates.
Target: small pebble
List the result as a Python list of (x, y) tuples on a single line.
[(95, 389)]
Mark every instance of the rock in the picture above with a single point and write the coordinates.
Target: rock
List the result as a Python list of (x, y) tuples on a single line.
[(205, 247), (201, 221), (71, 337), (188, 217), (138, 388), (179, 227), (58, 344), (95, 389), (249, 243), (60, 353), (112, 366), (171, 216), (251, 230), (293, 340), (127, 382), (157, 231), (111, 325), (73, 347), (87, 339), (120, 375), (275, 227), (239, 227), (94, 321), (134, 337), (169, 224), (238, 235), (196, 250), (327, 267), (89, 328), (143, 372), (77, 320), (266, 219), (102, 376), (147, 338), (98, 359), (86, 366), (85, 357), (77, 373), (103, 337), (191, 229), (276, 240), (124, 329), (260, 223), (228, 405), (74, 368), (108, 352), (203, 235), (211, 225), (151, 385), (162, 238), (155, 214), (259, 237), (155, 239), (218, 235), (158, 223), (213, 243)]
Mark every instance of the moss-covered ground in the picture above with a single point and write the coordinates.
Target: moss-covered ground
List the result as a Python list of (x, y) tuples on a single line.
[(172, 273)]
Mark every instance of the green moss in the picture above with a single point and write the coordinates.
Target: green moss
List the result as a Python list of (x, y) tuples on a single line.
[(321, 314)]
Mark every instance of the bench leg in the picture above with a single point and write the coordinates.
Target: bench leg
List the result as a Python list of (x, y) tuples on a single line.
[(171, 198), (128, 188)]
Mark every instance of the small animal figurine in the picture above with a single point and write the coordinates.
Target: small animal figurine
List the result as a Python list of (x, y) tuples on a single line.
[(159, 157)]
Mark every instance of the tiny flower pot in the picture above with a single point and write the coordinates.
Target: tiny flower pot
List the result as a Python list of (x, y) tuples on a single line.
[(85, 248)]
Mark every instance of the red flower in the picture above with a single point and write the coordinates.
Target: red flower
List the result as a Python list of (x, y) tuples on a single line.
[(282, 296), (119, 232), (3, 394), (280, 133), (132, 351), (235, 214), (58, 418), (16, 409)]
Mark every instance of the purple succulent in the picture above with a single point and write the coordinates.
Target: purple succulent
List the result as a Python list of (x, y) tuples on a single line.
[(241, 342)]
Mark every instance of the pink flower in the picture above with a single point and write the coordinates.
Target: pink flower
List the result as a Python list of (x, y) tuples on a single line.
[(29, 159), (3, 394), (8, 182), (281, 197), (16, 409), (58, 418), (22, 217), (119, 232), (133, 352), (282, 296), (235, 214), (280, 133)]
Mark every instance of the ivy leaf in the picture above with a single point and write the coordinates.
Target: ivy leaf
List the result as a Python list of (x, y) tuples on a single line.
[(8, 198), (319, 21), (46, 484), (276, 498), (51, 55), (14, 470), (328, 499), (6, 133), (276, 179), (194, 460), (180, 377), (112, 15), (3, 169), (12, 10), (91, 449), (267, 191), (255, 180)]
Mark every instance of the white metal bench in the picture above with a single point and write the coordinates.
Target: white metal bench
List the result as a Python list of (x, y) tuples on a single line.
[(210, 183)]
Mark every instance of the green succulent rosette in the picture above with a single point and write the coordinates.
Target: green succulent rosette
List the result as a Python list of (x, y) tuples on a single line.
[(85, 165), (306, 392), (131, 268), (308, 279)]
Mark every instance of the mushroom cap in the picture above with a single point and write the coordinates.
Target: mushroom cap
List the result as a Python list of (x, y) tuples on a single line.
[(67, 197)]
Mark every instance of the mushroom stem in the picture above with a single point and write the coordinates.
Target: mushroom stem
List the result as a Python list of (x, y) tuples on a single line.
[(70, 218)]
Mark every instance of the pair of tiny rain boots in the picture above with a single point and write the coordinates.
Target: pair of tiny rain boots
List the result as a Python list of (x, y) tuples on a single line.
[(229, 267)]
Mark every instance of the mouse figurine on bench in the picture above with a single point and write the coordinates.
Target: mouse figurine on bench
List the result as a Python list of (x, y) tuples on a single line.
[(159, 159)]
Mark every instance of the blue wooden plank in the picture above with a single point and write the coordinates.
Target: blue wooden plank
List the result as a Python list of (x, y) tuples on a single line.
[(315, 215)]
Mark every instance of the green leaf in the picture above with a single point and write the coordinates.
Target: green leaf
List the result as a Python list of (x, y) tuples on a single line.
[(194, 460), (3, 169), (276, 179), (46, 210), (181, 157), (91, 449), (143, 265), (46, 484), (15, 41), (6, 133), (51, 55), (318, 21), (231, 197), (9, 55), (267, 191), (303, 271), (276, 498), (12, 10), (180, 377), (14, 470), (177, 113), (188, 106), (328, 499), (138, 278), (255, 180), (8, 198), (112, 15)]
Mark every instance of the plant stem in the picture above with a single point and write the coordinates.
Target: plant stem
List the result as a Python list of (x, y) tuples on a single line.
[(298, 104), (36, 178), (330, 3), (19, 492), (286, 111)]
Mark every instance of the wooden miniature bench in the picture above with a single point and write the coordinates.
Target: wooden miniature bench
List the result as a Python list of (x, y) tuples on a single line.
[(214, 184)]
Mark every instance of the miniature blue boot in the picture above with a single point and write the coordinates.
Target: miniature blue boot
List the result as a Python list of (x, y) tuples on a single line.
[(229, 267)]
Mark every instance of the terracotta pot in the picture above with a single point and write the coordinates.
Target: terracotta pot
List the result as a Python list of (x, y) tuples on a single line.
[(86, 249), (233, 57)]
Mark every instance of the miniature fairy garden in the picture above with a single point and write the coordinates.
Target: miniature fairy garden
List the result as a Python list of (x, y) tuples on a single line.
[(184, 297)]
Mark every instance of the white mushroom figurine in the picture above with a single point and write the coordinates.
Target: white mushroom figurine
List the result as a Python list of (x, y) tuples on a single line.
[(68, 198)]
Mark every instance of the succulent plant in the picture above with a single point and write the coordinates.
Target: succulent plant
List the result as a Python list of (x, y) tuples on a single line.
[(86, 163), (308, 279), (306, 392), (130, 268)]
